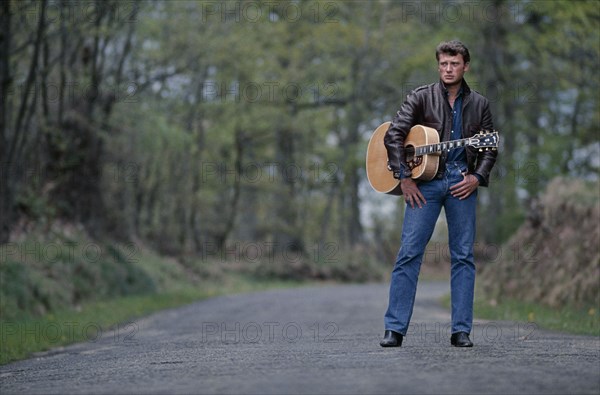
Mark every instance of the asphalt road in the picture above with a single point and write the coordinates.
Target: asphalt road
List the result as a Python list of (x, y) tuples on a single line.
[(310, 340)]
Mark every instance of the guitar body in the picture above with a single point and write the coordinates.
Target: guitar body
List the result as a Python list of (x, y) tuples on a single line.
[(422, 150), (380, 177), (426, 166)]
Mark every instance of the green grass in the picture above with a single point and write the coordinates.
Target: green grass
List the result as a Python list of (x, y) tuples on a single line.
[(575, 320), (584, 321), (21, 337), (57, 290)]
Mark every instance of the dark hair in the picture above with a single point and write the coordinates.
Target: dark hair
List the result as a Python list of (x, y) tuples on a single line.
[(452, 48)]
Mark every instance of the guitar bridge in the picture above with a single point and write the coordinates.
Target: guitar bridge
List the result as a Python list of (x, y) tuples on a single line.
[(416, 161)]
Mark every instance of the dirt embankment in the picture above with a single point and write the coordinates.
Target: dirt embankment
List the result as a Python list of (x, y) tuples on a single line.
[(554, 258)]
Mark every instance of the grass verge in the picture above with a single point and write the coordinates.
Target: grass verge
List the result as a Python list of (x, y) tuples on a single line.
[(575, 320), (583, 321), (25, 335)]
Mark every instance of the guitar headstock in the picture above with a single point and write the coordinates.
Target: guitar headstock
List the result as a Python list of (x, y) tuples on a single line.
[(484, 140)]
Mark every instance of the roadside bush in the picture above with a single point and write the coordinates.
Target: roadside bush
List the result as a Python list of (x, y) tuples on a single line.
[(554, 258), (44, 273)]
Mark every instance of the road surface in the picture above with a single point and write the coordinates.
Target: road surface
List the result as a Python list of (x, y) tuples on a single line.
[(310, 340)]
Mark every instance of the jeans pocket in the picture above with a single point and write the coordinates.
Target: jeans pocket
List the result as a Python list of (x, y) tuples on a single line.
[(455, 173), (456, 169)]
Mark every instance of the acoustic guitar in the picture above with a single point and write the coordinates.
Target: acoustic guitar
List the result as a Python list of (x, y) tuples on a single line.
[(422, 150)]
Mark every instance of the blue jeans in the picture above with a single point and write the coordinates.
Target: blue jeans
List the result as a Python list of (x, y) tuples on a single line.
[(416, 233)]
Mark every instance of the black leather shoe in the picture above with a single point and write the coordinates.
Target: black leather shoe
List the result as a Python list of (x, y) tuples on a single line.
[(461, 339), (391, 339)]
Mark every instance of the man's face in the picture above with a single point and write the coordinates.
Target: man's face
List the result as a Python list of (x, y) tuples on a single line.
[(452, 69)]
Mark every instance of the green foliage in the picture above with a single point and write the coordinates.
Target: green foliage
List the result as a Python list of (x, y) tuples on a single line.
[(323, 263), (45, 274), (204, 108)]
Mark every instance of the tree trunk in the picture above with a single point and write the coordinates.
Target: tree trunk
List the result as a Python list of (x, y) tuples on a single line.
[(236, 191), (286, 233), (6, 192)]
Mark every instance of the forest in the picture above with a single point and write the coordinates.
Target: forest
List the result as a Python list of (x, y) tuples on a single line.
[(237, 130)]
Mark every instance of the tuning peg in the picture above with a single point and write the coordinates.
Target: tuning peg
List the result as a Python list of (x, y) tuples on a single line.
[(480, 149)]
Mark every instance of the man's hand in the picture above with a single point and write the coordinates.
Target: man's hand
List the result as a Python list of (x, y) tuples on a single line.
[(463, 189), (411, 193)]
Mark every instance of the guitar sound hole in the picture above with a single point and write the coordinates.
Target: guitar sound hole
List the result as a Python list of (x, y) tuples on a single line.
[(412, 160)]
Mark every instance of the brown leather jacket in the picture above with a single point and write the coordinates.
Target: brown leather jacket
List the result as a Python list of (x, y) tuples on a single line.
[(429, 106)]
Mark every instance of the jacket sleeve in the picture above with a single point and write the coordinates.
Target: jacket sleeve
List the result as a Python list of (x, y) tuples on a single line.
[(485, 159), (396, 134)]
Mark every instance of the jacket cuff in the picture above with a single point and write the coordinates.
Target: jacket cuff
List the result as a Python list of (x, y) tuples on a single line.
[(404, 172)]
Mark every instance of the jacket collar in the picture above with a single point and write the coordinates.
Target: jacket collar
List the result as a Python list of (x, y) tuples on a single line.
[(464, 87)]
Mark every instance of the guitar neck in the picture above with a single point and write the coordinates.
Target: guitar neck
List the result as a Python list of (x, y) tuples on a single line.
[(439, 147)]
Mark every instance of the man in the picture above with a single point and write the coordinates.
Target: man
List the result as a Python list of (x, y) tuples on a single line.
[(455, 111)]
